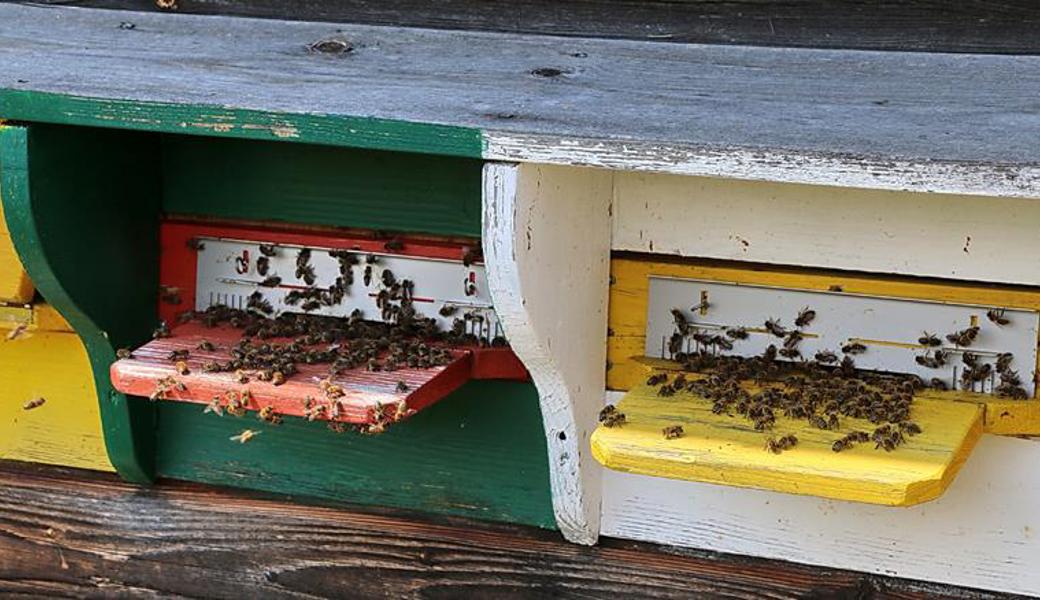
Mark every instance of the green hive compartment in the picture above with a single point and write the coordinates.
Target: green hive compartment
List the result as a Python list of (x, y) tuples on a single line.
[(83, 206)]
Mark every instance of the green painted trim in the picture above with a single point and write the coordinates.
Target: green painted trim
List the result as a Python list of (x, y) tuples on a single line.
[(70, 196), (321, 185), (480, 453), (217, 121)]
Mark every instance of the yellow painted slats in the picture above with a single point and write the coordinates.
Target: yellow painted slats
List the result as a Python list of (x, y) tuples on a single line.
[(727, 450), (46, 360), (628, 306), (15, 286)]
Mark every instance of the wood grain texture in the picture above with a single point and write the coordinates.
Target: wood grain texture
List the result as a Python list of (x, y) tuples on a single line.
[(727, 450), (547, 250), (926, 235), (71, 533), (935, 122), (980, 533), (920, 25)]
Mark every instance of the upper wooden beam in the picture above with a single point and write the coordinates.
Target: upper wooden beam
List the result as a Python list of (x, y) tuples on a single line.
[(889, 120)]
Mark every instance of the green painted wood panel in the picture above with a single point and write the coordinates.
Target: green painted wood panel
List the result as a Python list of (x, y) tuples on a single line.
[(82, 207), (478, 453), (321, 185), (219, 121)]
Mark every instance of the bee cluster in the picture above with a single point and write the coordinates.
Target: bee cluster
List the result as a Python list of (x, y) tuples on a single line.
[(272, 346), (823, 390)]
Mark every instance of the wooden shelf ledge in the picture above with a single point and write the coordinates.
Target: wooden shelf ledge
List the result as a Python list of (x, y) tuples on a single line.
[(889, 120), (727, 450)]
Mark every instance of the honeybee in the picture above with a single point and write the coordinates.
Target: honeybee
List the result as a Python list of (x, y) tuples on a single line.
[(214, 406), (470, 255), (34, 403), (854, 348), (791, 353), (176, 355), (938, 384), (272, 281), (657, 379), (672, 432), (681, 324), (241, 376), (929, 339), (997, 316), (196, 244), (1004, 361), (909, 428), (805, 316), (206, 346), (841, 444), (610, 416), (776, 446), (277, 378), (182, 367), (826, 357), (792, 339), (245, 436), (17, 332), (162, 331), (773, 326), (263, 265), (818, 422), (402, 387), (448, 310), (337, 427), (367, 278), (964, 337), (394, 245), (737, 333), (769, 354), (124, 353), (268, 415), (268, 249)]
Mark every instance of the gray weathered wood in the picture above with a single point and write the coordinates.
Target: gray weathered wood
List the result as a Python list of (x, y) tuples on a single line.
[(935, 122)]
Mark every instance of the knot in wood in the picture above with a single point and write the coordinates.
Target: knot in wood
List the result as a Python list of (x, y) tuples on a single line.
[(331, 46), (547, 72)]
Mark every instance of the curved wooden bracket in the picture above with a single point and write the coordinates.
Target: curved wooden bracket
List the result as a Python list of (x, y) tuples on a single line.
[(547, 249), (82, 210)]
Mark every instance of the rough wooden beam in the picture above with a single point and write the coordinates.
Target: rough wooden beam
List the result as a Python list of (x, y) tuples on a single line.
[(889, 120), (77, 533)]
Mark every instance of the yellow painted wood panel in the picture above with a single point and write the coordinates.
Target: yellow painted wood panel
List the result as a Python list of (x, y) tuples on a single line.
[(727, 450), (628, 306), (66, 430), (15, 286)]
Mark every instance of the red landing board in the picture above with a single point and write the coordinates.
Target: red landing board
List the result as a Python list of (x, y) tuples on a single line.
[(366, 393)]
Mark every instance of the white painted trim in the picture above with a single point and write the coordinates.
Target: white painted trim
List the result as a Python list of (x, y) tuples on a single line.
[(926, 235), (984, 532), (547, 251), (882, 173)]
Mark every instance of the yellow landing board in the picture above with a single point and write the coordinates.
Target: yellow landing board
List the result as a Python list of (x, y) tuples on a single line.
[(727, 450)]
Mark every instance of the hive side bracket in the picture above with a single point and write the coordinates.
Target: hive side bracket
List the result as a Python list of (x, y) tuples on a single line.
[(82, 208), (547, 249)]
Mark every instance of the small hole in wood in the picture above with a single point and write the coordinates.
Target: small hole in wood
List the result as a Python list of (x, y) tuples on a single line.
[(546, 72), (562, 436), (331, 46)]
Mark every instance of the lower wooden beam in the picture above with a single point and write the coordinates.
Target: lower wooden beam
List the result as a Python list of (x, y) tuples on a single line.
[(71, 532)]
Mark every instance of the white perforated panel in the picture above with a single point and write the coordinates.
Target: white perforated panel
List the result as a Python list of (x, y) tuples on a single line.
[(227, 274), (888, 327)]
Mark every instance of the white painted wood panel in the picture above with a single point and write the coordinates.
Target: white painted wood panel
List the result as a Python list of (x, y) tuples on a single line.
[(931, 235), (984, 532), (547, 253)]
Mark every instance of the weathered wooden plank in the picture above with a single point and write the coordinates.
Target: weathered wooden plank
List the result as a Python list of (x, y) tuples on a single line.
[(936, 122), (73, 533), (920, 25)]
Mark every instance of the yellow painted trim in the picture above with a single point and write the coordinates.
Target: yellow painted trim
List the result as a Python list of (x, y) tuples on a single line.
[(15, 286), (727, 450), (628, 306), (66, 430)]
